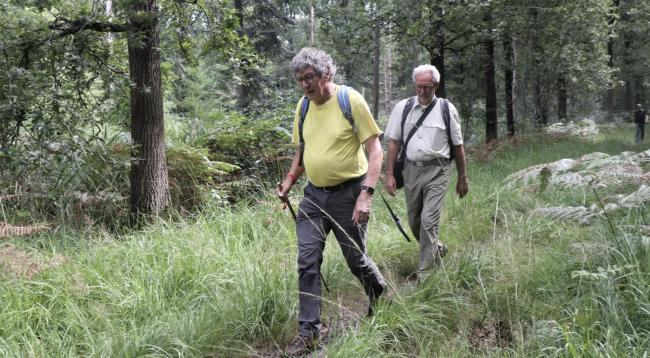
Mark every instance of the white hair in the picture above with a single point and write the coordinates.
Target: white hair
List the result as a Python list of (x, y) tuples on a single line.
[(427, 68), (316, 58)]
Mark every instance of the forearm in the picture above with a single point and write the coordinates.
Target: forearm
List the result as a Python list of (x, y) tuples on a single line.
[(459, 157), (295, 170), (375, 159)]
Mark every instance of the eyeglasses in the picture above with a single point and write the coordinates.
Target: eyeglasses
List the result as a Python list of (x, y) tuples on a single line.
[(306, 78), (424, 87)]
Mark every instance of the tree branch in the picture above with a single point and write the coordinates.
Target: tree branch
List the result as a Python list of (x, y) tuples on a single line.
[(67, 27), (277, 13)]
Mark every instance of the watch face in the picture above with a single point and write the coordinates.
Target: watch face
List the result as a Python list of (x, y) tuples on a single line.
[(368, 189)]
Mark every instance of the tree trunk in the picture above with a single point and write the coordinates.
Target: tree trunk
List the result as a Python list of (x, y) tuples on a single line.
[(509, 84), (312, 25), (375, 73), (438, 57), (561, 99), (490, 94), (465, 108), (108, 84), (245, 88), (609, 95), (639, 96), (149, 177), (540, 104), (388, 80)]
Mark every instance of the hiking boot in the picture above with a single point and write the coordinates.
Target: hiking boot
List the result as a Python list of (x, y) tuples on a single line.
[(373, 302), (300, 346)]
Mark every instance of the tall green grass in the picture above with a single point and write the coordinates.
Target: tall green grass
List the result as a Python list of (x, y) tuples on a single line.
[(224, 283)]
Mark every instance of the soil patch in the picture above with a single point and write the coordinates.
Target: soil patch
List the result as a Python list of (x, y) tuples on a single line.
[(19, 263), (490, 333)]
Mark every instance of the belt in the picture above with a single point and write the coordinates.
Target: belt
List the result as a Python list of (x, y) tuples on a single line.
[(426, 163), (340, 185)]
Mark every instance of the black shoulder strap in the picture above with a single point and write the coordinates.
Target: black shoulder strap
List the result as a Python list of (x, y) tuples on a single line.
[(416, 126), (303, 114), (405, 114), (447, 119)]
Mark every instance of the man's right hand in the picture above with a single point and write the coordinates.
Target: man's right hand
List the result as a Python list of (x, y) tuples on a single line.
[(390, 185), (282, 191)]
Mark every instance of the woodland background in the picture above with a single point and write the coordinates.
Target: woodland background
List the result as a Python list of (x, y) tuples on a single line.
[(128, 101), (140, 141)]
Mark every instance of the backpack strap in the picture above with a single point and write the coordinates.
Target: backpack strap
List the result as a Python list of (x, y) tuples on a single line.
[(417, 125), (405, 113), (344, 103), (447, 119), (303, 114)]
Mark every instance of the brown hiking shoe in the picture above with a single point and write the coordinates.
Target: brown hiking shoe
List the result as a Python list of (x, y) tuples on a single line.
[(300, 346)]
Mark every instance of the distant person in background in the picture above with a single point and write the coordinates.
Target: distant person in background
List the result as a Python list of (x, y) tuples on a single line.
[(426, 169), (338, 194), (640, 118)]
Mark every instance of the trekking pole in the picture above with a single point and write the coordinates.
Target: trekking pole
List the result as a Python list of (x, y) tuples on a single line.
[(395, 218), (286, 201)]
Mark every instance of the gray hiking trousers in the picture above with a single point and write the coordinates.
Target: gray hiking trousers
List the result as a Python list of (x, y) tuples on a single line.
[(425, 186), (321, 211)]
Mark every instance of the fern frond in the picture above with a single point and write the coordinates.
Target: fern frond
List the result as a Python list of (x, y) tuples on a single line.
[(622, 174), (580, 214), (532, 174), (593, 156), (609, 161), (585, 127), (572, 180), (643, 157), (637, 198)]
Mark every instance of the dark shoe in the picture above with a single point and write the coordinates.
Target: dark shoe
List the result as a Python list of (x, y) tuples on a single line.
[(300, 346), (373, 302)]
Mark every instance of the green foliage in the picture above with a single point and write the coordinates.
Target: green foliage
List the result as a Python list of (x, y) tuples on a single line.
[(224, 282), (192, 176)]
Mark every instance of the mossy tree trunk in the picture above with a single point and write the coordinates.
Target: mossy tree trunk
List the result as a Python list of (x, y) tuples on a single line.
[(149, 177)]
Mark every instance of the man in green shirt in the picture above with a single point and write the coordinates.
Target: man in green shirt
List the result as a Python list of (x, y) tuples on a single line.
[(338, 195)]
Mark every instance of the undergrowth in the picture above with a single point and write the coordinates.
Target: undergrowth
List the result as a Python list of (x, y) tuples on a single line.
[(224, 282)]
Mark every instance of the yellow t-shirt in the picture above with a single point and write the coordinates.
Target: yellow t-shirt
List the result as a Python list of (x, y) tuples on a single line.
[(333, 151)]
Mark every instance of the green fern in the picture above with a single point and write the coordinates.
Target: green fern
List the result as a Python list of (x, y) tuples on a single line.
[(580, 214)]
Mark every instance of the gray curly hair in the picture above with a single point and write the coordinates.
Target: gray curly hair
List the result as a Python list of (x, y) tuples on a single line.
[(427, 68), (318, 59)]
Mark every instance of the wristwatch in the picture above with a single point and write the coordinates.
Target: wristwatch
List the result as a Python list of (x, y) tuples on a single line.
[(368, 189)]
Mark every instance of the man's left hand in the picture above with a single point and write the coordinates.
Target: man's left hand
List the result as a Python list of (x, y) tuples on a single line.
[(462, 186), (362, 208)]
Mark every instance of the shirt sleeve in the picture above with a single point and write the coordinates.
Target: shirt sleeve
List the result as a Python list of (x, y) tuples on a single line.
[(363, 120), (394, 127)]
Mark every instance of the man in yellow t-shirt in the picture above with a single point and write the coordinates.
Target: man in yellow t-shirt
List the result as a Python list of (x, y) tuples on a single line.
[(338, 195)]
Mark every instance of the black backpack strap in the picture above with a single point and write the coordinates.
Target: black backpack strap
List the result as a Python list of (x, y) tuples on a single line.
[(416, 126), (303, 114), (447, 119), (405, 113)]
